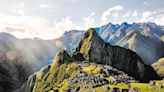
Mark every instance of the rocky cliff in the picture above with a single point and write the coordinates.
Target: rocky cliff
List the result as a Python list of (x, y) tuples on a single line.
[(159, 67), (93, 49), (65, 75), (93, 64)]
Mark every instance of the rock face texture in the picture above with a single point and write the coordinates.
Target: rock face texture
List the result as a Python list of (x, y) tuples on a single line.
[(93, 63), (11, 76), (149, 49), (143, 38), (64, 75), (93, 49), (19, 58), (29, 84), (159, 67)]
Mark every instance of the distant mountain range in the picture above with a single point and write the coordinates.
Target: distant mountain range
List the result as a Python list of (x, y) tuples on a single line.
[(146, 39), (25, 56), (89, 67), (19, 58)]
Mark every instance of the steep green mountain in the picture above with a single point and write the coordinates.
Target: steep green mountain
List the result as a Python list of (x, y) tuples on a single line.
[(19, 58), (93, 49), (92, 66)]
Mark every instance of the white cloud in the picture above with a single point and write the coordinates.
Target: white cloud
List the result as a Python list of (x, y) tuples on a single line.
[(131, 13), (147, 14), (114, 11), (19, 12), (156, 16), (135, 13), (30, 27), (89, 20), (159, 20), (43, 5), (127, 14), (65, 24)]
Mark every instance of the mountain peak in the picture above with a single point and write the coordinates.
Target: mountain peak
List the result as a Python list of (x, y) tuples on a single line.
[(62, 56), (7, 35), (92, 48), (91, 33), (89, 39)]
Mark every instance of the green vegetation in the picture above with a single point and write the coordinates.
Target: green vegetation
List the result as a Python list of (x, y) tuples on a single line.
[(85, 47), (92, 69), (66, 73)]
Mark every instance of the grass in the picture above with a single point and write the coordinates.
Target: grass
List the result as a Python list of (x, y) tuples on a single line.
[(111, 79), (66, 72), (140, 85), (119, 85), (86, 45), (92, 69), (39, 76)]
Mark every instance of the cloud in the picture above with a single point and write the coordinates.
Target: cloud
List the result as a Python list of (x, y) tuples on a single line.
[(147, 14), (44, 5), (89, 20), (156, 16), (159, 20), (135, 13), (114, 12), (65, 24), (130, 13), (127, 14), (31, 27), (19, 12)]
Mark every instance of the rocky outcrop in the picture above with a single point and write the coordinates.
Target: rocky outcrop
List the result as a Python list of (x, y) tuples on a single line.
[(145, 38), (74, 77), (159, 67), (49, 74), (13, 72), (29, 84), (90, 66), (19, 58), (93, 49)]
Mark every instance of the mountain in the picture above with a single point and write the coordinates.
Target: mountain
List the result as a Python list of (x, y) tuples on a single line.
[(146, 39), (159, 67), (19, 58), (149, 49), (72, 76), (69, 40), (92, 64), (93, 48), (25, 56), (143, 38)]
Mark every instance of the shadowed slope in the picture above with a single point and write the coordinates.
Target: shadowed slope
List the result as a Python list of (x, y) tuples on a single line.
[(92, 48)]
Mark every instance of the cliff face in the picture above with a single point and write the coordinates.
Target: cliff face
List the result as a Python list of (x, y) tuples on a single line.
[(159, 67), (94, 63), (65, 75), (93, 49)]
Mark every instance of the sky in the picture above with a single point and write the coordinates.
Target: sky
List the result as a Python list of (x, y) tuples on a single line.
[(49, 19)]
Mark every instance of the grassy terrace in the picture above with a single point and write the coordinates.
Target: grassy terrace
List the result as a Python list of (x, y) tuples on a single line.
[(67, 76)]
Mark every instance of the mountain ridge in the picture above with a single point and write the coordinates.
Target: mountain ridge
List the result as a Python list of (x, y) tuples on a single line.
[(30, 50), (90, 50), (93, 48)]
